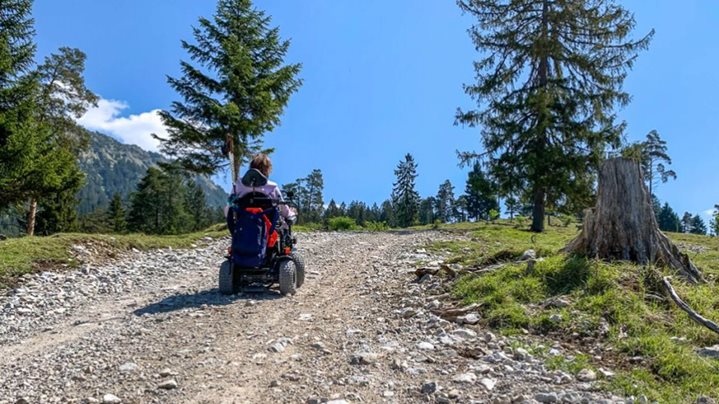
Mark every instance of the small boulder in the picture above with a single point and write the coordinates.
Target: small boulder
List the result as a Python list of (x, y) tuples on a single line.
[(709, 352), (528, 255), (467, 378), (429, 387), (586, 375), (128, 367), (546, 397), (111, 399), (167, 385), (488, 383), (425, 346)]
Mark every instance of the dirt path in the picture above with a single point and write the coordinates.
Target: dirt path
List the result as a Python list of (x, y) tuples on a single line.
[(360, 330)]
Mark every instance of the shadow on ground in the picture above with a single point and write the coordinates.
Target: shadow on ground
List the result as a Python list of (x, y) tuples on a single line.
[(211, 297)]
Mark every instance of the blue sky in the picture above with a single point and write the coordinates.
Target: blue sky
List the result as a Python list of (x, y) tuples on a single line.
[(383, 78)]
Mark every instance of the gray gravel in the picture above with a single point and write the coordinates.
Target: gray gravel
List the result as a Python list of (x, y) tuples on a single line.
[(152, 328)]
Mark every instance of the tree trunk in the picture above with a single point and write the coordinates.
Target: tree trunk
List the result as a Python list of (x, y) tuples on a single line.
[(31, 215), (622, 226), (538, 211), (543, 72)]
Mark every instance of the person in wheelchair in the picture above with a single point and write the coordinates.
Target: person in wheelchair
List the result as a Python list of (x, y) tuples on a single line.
[(260, 222), (256, 195), (250, 181)]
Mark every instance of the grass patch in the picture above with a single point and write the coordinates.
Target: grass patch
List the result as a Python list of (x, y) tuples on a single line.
[(646, 339), (19, 256)]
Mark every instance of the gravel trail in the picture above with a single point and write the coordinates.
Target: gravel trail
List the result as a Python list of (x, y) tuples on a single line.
[(152, 328)]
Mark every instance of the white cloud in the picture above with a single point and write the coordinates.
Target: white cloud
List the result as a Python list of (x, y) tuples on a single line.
[(709, 212), (133, 129)]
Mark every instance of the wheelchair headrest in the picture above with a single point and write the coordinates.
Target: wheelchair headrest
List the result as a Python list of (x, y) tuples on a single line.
[(254, 178), (254, 200)]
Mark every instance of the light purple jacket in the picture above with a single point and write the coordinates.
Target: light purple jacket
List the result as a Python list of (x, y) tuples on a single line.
[(270, 189)]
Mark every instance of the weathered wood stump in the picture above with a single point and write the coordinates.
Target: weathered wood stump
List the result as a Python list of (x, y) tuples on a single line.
[(623, 227)]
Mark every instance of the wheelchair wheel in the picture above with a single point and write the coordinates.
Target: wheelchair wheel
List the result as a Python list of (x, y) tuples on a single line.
[(299, 268), (227, 279), (288, 277)]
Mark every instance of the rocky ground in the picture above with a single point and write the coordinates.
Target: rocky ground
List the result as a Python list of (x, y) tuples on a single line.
[(152, 328)]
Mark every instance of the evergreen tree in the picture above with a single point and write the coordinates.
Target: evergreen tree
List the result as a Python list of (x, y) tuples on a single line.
[(427, 213), (513, 206), (549, 81), (314, 201), (445, 202), (387, 214), (481, 194), (158, 205), (715, 221), (460, 209), (61, 98), (308, 196), (375, 213), (698, 225), (234, 92), (95, 222), (668, 220), (116, 215), (656, 206), (654, 158), (357, 210), (20, 141), (343, 209), (196, 203), (332, 210), (405, 199), (686, 223), (57, 211)]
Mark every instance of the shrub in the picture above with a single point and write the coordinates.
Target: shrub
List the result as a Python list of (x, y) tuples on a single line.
[(376, 226), (341, 223)]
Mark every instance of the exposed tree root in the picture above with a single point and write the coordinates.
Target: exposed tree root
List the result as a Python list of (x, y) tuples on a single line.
[(692, 314)]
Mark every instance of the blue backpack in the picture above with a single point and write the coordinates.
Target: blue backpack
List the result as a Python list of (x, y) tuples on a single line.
[(250, 229)]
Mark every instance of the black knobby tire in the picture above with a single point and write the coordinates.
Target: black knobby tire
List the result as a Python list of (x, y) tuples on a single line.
[(227, 279), (299, 267), (288, 277)]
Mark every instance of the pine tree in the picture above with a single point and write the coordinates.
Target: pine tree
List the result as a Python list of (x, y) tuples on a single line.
[(314, 201), (654, 158), (234, 92), (405, 199), (698, 225), (309, 199), (116, 215), (20, 142), (387, 214), (196, 204), (481, 194), (686, 223), (513, 206), (445, 202), (460, 209), (343, 209), (549, 81), (668, 220), (715, 221), (332, 210), (158, 205), (60, 99), (427, 212), (357, 210)]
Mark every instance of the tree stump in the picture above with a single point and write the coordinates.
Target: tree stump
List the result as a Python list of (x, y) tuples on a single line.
[(623, 227)]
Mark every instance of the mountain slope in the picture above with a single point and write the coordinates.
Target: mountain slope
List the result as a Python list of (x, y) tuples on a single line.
[(111, 166)]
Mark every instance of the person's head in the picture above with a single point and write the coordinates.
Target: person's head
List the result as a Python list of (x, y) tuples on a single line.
[(262, 163)]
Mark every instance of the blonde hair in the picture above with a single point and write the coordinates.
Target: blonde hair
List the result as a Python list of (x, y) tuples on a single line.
[(262, 163)]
